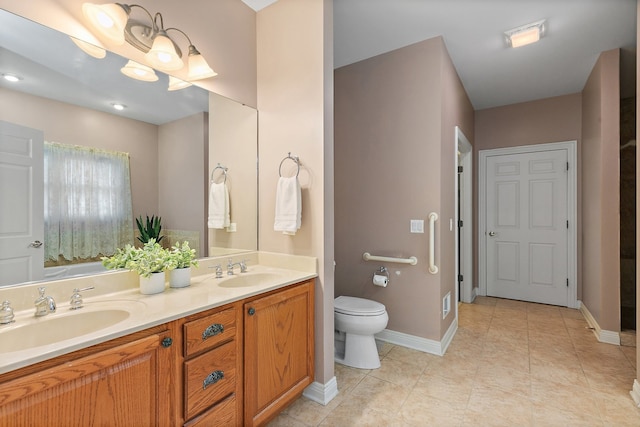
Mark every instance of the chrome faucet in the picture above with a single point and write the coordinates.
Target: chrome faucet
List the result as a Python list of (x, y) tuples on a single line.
[(218, 268), (242, 264), (76, 299), (6, 313), (44, 304)]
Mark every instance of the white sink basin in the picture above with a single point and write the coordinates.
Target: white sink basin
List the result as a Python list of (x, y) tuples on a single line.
[(249, 279), (59, 326)]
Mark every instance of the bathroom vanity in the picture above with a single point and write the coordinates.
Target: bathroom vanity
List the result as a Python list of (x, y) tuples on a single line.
[(230, 351)]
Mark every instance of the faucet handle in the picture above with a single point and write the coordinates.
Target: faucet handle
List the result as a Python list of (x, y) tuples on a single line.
[(6, 313), (76, 298), (243, 266)]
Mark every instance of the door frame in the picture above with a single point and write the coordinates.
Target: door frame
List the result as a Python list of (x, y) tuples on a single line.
[(465, 159), (572, 204)]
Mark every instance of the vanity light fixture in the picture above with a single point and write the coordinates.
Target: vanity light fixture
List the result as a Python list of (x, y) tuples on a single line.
[(525, 34), (90, 49), (13, 78), (139, 72), (113, 21), (118, 106), (177, 84)]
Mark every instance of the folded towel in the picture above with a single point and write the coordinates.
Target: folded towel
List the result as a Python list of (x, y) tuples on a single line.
[(288, 205), (218, 206)]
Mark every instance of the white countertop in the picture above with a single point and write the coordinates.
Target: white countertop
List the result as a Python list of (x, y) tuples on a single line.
[(119, 291)]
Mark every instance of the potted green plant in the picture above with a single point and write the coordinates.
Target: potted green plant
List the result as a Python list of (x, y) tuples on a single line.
[(149, 261), (181, 258), (149, 229)]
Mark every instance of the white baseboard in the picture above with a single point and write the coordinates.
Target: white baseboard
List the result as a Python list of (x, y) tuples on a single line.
[(608, 337), (418, 343), (635, 392), (322, 393)]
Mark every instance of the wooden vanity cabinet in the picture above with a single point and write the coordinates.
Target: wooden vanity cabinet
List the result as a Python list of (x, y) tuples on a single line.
[(213, 367), (278, 350), (120, 383), (238, 364)]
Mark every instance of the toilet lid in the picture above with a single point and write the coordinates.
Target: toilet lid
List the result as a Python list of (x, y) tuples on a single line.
[(357, 306)]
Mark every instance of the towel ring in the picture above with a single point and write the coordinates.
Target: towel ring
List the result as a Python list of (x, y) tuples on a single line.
[(296, 159), (224, 172)]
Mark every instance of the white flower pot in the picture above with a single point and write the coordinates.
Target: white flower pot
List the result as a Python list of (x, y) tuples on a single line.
[(180, 277), (153, 284)]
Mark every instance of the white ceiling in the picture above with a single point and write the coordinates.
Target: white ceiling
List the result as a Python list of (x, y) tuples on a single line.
[(492, 74)]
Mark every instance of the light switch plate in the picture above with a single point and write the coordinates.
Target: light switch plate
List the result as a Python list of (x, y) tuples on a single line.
[(417, 226)]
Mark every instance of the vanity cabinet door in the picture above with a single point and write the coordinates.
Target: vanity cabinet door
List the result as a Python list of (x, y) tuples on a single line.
[(278, 354), (120, 386)]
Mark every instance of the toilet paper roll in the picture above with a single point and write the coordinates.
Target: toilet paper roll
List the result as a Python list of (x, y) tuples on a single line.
[(379, 280)]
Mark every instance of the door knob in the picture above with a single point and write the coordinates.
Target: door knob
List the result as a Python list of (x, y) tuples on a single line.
[(36, 244), (492, 233)]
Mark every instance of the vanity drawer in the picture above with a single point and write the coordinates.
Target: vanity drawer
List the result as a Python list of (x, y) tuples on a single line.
[(209, 378), (223, 414), (206, 333)]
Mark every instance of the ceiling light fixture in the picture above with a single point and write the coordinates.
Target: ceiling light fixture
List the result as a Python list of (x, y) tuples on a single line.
[(89, 49), (525, 34), (177, 84), (118, 106), (139, 72), (13, 78), (113, 22)]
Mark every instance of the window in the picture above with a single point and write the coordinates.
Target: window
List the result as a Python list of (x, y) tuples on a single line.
[(87, 202)]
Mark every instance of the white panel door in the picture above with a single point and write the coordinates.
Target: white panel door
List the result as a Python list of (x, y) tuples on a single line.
[(526, 225), (21, 204)]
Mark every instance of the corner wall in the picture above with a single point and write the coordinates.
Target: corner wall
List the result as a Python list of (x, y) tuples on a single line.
[(394, 161), (295, 95), (600, 205)]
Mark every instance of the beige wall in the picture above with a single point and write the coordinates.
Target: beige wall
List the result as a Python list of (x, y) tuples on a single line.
[(600, 205), (294, 99), (223, 31), (69, 124), (394, 161), (542, 121), (182, 145)]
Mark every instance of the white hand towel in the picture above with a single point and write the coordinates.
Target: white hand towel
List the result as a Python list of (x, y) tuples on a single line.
[(288, 205), (218, 206)]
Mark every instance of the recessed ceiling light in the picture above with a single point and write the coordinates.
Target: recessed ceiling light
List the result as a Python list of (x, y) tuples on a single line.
[(525, 34), (13, 78), (118, 106)]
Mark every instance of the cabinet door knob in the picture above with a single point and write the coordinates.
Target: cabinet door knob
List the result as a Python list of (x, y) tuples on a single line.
[(251, 311), (166, 342)]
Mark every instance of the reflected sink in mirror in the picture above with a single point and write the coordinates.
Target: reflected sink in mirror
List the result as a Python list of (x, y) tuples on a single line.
[(61, 326), (249, 279)]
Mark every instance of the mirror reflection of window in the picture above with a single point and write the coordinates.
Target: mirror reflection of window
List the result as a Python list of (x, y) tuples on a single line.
[(87, 206)]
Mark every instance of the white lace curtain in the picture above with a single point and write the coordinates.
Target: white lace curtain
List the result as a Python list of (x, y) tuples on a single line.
[(87, 203)]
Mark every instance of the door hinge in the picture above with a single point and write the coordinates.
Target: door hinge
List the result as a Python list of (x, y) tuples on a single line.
[(567, 282), (459, 169), (460, 278), (460, 223), (567, 165), (567, 223)]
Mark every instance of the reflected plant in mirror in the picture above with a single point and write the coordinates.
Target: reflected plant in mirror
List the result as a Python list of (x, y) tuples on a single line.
[(172, 138)]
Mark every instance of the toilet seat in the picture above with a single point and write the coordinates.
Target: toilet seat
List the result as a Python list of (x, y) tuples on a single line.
[(354, 306)]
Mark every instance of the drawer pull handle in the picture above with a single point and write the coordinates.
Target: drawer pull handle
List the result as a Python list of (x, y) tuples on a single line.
[(212, 378), (212, 331)]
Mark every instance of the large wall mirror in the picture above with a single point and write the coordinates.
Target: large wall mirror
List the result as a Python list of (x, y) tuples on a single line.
[(175, 140)]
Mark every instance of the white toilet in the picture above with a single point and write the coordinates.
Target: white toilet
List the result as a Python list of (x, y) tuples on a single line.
[(356, 322)]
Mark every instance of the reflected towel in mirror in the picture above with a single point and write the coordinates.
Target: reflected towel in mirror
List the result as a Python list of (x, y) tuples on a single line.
[(288, 205), (218, 206)]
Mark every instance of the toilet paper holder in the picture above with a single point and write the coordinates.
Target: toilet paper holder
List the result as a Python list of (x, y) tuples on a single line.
[(382, 270)]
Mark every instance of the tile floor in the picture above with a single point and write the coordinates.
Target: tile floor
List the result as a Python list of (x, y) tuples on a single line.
[(510, 364)]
